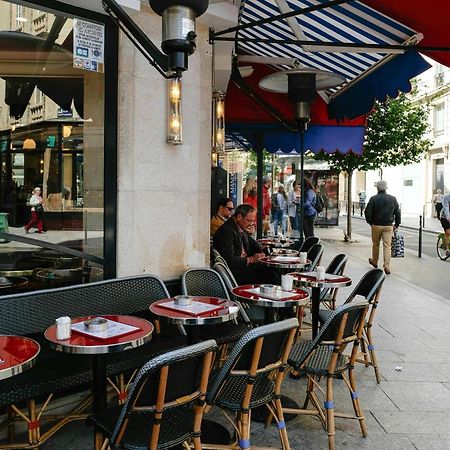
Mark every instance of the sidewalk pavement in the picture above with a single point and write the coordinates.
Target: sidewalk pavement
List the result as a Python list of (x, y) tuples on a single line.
[(410, 408)]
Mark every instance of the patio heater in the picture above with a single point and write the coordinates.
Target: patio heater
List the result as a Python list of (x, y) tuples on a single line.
[(301, 86)]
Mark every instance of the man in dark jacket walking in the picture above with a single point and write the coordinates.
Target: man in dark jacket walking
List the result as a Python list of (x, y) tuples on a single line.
[(381, 212)]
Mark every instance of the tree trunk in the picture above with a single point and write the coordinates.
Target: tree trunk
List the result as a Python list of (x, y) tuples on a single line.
[(349, 206)]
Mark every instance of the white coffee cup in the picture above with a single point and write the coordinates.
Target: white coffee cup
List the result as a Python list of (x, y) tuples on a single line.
[(303, 257), (320, 273), (63, 330), (286, 282)]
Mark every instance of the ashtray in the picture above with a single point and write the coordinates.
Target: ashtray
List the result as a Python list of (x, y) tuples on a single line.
[(268, 288), (97, 324), (183, 300)]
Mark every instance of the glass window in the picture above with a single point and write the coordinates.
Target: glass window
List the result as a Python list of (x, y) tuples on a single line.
[(51, 149), (439, 119)]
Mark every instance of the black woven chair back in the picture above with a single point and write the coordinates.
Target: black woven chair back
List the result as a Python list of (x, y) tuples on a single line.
[(369, 286), (217, 257), (38, 310), (337, 265), (308, 243), (173, 381), (203, 282), (227, 275), (260, 352), (314, 255)]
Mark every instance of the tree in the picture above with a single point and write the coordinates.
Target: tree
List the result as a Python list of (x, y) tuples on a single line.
[(395, 135)]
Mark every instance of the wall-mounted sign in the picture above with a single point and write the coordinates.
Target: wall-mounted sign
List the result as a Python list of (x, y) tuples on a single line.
[(51, 141), (88, 45), (64, 112)]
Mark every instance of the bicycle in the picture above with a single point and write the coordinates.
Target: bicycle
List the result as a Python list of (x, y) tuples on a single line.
[(440, 247)]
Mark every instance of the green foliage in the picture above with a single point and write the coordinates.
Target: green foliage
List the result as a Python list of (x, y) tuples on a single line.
[(394, 136)]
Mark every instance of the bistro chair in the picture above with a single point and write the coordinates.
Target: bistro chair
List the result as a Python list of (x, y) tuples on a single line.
[(252, 377), (315, 255), (217, 257), (323, 358), (207, 282), (308, 243), (251, 314), (165, 404), (369, 287), (336, 267)]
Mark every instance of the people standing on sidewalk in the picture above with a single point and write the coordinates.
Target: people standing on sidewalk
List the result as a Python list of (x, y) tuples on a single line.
[(381, 212), (249, 194), (267, 204), (362, 200), (445, 221), (37, 211), (293, 203), (437, 202), (309, 210), (279, 210)]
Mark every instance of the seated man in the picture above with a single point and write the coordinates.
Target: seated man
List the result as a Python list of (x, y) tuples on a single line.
[(224, 211), (445, 221), (242, 253)]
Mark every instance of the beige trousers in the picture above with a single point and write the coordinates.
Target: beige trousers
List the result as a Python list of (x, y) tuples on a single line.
[(382, 232)]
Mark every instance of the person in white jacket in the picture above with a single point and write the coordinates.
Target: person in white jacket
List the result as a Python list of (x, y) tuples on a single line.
[(293, 201), (36, 212)]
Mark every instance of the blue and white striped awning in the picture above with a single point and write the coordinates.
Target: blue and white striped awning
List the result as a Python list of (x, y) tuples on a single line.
[(345, 23)]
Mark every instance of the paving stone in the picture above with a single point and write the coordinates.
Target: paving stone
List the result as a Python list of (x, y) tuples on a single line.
[(413, 422)]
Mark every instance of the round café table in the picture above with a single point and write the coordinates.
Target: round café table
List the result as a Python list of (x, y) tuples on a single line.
[(226, 310), (275, 242), (310, 279), (17, 354), (83, 344), (281, 300), (284, 262)]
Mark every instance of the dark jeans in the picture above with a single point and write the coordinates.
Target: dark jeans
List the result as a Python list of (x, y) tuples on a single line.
[(438, 207), (308, 226)]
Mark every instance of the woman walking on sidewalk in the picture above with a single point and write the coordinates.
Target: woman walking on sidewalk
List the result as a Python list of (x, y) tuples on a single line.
[(37, 211)]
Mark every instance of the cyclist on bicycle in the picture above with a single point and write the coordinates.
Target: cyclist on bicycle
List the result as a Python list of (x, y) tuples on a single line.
[(445, 221)]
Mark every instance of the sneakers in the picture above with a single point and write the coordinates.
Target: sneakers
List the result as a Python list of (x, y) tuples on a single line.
[(372, 263), (387, 271), (26, 231)]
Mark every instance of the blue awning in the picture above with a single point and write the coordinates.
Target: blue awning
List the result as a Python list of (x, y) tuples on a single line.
[(327, 138), (352, 22)]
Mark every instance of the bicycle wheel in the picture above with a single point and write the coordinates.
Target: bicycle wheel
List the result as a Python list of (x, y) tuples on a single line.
[(440, 247)]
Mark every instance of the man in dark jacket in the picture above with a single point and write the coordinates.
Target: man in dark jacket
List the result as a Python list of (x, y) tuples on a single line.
[(381, 212), (241, 252)]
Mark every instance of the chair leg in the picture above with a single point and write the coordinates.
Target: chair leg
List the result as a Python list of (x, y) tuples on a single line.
[(373, 356), (281, 425), (356, 404), (329, 407), (364, 352)]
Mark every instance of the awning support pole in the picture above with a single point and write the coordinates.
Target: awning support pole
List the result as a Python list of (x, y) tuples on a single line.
[(259, 179)]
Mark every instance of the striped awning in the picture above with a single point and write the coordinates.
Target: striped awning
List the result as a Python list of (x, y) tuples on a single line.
[(352, 23)]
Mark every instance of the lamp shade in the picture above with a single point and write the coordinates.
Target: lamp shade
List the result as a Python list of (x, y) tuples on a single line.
[(29, 144)]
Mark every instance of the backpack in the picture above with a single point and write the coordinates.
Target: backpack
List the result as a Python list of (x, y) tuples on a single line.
[(319, 204)]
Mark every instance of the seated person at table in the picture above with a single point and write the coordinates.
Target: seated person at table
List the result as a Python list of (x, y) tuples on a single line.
[(242, 253), (224, 211)]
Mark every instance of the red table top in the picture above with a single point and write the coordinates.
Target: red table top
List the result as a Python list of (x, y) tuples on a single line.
[(294, 261), (16, 352), (206, 317), (309, 278), (78, 340), (242, 292), (270, 241)]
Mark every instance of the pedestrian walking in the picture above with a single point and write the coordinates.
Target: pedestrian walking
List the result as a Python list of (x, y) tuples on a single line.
[(381, 213), (362, 201), (37, 212), (279, 210), (293, 202), (309, 208), (437, 202)]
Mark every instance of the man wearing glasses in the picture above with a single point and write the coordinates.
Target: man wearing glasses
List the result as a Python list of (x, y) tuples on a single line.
[(224, 211), (242, 253)]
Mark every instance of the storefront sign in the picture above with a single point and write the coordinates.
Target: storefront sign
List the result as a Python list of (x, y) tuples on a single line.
[(88, 45), (51, 141), (233, 187)]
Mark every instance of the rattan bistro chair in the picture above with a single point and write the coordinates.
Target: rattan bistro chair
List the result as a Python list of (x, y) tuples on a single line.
[(254, 315), (369, 287), (252, 377), (336, 267), (308, 243), (207, 282), (323, 358), (165, 404), (315, 254)]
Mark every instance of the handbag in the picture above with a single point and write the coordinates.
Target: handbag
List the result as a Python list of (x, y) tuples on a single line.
[(397, 245), (39, 208)]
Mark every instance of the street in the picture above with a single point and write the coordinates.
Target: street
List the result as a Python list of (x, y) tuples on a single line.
[(360, 227)]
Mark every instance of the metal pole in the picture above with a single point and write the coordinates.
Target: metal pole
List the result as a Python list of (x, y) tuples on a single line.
[(259, 179), (420, 237), (423, 215), (302, 179)]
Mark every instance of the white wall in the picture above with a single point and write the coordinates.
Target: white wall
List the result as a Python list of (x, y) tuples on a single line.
[(160, 185)]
